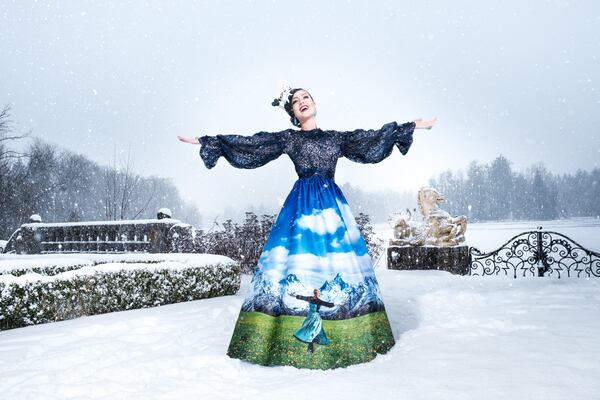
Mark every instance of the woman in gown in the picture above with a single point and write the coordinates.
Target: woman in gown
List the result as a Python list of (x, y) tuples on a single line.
[(315, 242)]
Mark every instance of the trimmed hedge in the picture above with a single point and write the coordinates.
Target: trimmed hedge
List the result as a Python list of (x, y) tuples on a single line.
[(91, 291), (46, 269)]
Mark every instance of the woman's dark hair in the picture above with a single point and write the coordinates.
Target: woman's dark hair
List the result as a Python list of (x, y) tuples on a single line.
[(288, 105)]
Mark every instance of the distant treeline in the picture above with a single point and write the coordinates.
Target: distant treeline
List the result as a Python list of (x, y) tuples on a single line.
[(492, 192), (378, 205), (495, 192), (63, 186)]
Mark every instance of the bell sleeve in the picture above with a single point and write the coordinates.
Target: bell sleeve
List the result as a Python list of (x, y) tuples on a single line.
[(242, 151), (373, 146)]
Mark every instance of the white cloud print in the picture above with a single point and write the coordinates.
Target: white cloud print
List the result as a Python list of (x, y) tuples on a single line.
[(273, 260), (352, 234), (321, 221)]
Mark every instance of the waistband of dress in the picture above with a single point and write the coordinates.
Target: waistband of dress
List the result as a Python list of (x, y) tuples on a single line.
[(316, 177)]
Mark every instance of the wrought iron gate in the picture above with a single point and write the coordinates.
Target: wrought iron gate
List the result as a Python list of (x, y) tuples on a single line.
[(537, 253)]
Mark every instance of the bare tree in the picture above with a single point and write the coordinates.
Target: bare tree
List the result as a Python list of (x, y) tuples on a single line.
[(120, 189), (149, 199), (6, 135), (9, 178)]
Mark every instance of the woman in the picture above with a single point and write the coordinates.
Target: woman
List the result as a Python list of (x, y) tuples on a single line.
[(312, 331), (315, 241)]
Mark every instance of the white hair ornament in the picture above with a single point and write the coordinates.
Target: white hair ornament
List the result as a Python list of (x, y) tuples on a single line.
[(283, 97)]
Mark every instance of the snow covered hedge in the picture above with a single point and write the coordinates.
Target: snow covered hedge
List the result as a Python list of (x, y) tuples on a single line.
[(43, 265), (33, 298)]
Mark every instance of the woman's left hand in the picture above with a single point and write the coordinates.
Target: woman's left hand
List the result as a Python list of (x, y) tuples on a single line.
[(422, 124)]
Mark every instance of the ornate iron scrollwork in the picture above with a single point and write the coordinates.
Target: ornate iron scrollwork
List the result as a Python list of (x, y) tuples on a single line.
[(537, 253)]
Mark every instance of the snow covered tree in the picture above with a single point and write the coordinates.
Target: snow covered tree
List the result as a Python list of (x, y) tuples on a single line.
[(500, 192), (476, 191), (496, 192), (543, 198)]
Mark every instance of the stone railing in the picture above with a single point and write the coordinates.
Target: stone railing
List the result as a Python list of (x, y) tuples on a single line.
[(127, 236)]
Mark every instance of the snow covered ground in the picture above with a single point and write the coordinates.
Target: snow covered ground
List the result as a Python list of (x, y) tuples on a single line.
[(457, 337)]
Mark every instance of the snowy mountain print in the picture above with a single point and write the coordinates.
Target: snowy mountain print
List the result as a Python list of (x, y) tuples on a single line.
[(275, 298)]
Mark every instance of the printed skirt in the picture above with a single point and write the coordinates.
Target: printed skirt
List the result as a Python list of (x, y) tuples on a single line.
[(315, 243)]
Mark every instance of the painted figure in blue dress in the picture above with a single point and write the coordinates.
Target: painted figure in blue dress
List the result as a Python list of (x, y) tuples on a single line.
[(312, 331), (315, 242)]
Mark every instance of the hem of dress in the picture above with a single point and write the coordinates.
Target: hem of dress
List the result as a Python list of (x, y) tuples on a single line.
[(375, 354)]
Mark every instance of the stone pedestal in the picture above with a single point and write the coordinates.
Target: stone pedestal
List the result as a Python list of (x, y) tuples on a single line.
[(453, 259)]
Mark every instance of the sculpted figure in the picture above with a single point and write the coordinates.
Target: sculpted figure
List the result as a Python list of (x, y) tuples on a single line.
[(438, 228)]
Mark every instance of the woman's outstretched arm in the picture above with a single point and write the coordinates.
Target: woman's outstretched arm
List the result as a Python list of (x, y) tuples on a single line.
[(375, 145), (240, 151)]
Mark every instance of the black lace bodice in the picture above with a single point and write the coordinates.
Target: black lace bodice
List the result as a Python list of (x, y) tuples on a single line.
[(313, 152)]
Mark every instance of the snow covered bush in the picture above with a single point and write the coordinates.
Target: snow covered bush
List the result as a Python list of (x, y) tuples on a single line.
[(42, 266), (181, 238), (374, 243), (241, 242), (35, 299)]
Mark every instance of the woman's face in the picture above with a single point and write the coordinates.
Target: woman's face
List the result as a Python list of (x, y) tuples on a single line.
[(303, 105), (317, 293)]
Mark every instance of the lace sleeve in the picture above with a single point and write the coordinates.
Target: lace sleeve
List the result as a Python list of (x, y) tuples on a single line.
[(242, 151), (373, 146)]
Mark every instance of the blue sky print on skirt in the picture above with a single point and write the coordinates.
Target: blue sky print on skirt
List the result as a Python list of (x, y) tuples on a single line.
[(315, 243)]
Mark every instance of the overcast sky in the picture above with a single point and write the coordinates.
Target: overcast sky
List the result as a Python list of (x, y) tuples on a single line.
[(504, 77)]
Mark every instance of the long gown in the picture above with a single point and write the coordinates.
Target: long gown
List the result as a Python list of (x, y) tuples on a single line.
[(315, 243)]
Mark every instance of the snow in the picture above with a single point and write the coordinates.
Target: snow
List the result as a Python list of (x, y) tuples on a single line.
[(457, 337), (166, 211), (35, 218), (28, 261), (116, 267), (88, 223)]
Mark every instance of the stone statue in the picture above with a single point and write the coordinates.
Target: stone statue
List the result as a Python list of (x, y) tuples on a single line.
[(437, 229)]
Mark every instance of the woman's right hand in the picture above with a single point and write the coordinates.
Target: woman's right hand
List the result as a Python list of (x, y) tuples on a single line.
[(190, 140)]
